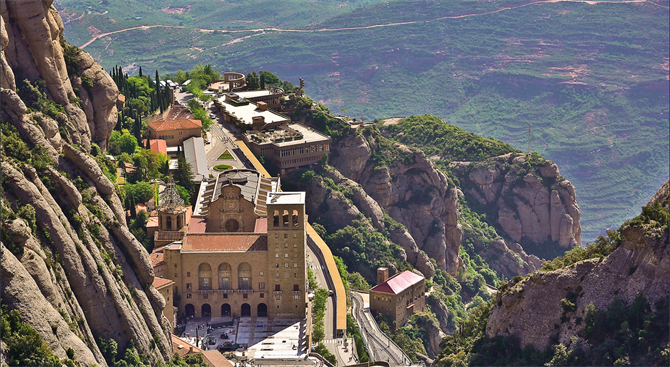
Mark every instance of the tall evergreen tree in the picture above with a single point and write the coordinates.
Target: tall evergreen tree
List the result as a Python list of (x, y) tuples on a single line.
[(140, 71), (158, 92)]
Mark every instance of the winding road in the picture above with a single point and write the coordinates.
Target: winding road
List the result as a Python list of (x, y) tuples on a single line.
[(259, 31)]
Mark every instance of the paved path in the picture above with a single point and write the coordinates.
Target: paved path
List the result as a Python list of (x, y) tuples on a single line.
[(379, 345)]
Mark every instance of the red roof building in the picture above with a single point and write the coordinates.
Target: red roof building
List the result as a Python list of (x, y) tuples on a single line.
[(174, 132), (399, 296), (156, 145)]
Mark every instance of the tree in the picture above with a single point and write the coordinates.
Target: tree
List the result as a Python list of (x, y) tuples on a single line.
[(253, 82), (140, 192), (269, 78), (125, 142), (183, 176)]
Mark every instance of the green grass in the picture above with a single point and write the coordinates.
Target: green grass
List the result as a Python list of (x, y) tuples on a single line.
[(222, 167), (592, 79), (226, 155)]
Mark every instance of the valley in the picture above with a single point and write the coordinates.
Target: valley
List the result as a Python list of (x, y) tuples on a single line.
[(595, 94)]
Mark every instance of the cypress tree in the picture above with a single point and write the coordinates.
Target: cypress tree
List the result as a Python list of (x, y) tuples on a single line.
[(158, 92), (140, 71)]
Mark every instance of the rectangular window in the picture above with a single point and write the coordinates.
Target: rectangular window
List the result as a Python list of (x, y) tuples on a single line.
[(296, 297), (277, 297), (188, 273), (296, 287), (175, 275), (262, 295), (261, 285), (204, 296), (286, 265), (245, 295), (286, 245), (188, 295), (276, 245), (260, 273), (188, 285), (276, 256), (295, 265), (225, 296), (276, 275), (277, 287)]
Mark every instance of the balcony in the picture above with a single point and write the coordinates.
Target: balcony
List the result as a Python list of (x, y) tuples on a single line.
[(245, 291), (226, 290), (206, 290), (296, 292), (277, 292)]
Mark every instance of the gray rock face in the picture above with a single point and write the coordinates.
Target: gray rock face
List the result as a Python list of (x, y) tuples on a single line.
[(31, 38), (531, 309), (413, 193), (534, 203)]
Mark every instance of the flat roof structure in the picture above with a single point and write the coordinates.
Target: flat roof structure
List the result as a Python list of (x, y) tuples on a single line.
[(288, 135), (286, 198), (245, 112), (194, 152), (254, 93), (246, 179)]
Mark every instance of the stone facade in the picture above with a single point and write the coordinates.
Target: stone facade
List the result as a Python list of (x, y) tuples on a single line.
[(399, 297), (231, 212), (244, 274)]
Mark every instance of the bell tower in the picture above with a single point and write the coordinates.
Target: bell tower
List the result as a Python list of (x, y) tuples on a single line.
[(286, 254), (171, 211)]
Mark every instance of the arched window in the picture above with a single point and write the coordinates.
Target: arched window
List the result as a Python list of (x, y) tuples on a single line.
[(169, 222), (224, 276), (294, 218), (244, 276), (205, 276), (275, 218), (179, 222)]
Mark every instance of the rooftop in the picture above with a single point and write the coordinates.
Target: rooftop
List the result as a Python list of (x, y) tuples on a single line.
[(168, 125), (160, 283), (157, 258), (246, 179), (254, 94), (238, 242), (246, 112), (194, 152), (286, 198), (158, 146), (398, 283), (283, 136)]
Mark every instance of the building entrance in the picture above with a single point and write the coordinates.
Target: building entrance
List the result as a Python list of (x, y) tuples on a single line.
[(246, 310)]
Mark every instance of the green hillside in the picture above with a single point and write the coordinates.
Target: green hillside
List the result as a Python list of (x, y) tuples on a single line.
[(592, 79)]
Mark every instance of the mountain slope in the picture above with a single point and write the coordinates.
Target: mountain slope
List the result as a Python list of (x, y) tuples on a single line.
[(70, 265)]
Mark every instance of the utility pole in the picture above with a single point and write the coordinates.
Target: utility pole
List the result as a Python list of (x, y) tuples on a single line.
[(529, 136)]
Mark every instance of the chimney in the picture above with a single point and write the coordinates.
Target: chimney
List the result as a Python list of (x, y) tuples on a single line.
[(262, 106), (382, 275)]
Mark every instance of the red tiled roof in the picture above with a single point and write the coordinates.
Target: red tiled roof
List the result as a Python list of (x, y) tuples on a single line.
[(152, 222), (122, 98), (185, 346), (157, 146), (225, 242), (161, 283), (157, 258), (398, 283), (197, 225), (261, 225), (169, 125), (216, 359)]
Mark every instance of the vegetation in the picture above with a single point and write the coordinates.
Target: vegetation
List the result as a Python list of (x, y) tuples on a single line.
[(319, 310), (354, 332), (597, 114), (25, 346), (225, 156), (325, 353), (222, 167)]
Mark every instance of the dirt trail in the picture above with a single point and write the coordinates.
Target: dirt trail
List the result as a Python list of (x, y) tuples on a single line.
[(259, 31)]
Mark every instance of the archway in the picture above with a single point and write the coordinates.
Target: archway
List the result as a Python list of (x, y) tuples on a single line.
[(246, 310), (189, 310), (225, 309), (224, 276), (262, 310), (206, 310)]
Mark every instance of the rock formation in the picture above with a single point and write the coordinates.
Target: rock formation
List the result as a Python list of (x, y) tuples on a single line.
[(76, 274), (533, 203), (412, 192), (531, 309)]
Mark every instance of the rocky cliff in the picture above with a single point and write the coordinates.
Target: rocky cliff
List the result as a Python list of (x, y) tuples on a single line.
[(70, 265), (550, 306)]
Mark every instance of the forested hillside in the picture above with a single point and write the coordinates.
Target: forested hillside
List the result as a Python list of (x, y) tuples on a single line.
[(591, 78)]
